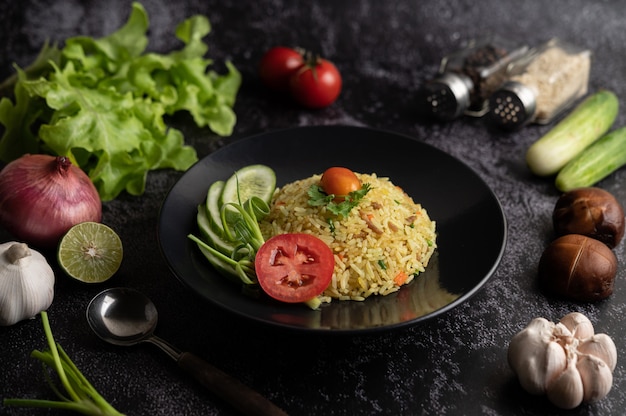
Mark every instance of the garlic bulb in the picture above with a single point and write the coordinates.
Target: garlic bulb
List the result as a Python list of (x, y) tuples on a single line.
[(566, 361), (534, 350), (26, 283)]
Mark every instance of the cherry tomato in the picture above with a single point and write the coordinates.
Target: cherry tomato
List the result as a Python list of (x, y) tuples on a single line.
[(294, 267), (339, 181), (317, 84), (277, 66)]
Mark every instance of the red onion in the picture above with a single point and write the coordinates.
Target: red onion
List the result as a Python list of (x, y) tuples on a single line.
[(43, 196)]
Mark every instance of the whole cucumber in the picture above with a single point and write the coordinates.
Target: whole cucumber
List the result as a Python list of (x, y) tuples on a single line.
[(584, 125), (595, 163)]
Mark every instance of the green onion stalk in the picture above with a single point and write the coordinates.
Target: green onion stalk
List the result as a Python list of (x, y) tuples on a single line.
[(245, 230), (80, 395)]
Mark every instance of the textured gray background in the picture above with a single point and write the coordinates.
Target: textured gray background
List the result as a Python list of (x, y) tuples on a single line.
[(453, 365)]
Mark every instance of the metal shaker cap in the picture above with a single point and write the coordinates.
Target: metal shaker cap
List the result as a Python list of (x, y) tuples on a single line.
[(446, 97), (512, 105)]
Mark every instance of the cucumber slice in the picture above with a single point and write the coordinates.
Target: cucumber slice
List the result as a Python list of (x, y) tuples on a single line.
[(220, 265), (212, 238), (249, 181), (213, 207)]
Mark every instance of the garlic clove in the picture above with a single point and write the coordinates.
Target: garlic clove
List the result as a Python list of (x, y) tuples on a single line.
[(555, 362), (566, 391), (534, 357), (596, 377), (563, 334), (579, 325), (602, 347)]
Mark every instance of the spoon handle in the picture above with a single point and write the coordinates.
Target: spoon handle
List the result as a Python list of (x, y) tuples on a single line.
[(242, 397)]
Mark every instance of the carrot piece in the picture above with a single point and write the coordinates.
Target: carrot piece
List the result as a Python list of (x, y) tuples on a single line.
[(400, 278)]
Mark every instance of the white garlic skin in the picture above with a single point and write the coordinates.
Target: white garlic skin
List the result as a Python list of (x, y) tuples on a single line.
[(597, 378), (566, 361), (601, 346), (578, 324), (26, 283), (534, 356), (567, 390)]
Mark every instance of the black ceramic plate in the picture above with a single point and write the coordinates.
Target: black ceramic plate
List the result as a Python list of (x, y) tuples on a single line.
[(471, 227)]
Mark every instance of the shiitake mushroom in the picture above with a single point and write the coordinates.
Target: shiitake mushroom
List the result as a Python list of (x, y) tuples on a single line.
[(592, 212), (578, 267)]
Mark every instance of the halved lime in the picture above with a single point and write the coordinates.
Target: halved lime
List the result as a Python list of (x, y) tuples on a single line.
[(90, 252)]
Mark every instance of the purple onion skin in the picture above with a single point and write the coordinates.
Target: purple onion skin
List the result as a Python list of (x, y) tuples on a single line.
[(43, 196)]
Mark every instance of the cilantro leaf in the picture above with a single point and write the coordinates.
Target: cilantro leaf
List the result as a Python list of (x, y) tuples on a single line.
[(317, 197)]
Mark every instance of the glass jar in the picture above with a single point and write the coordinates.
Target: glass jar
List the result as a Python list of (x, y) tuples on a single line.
[(467, 77), (541, 85)]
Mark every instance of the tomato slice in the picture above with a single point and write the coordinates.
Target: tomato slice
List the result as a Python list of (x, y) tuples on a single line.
[(294, 267)]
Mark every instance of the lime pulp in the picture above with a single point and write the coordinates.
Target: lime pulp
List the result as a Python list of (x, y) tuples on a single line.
[(90, 252)]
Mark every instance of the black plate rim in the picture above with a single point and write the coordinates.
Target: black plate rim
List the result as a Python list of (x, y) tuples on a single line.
[(328, 129)]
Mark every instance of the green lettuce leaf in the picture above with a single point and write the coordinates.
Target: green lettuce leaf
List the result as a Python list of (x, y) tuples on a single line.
[(102, 103), (18, 137)]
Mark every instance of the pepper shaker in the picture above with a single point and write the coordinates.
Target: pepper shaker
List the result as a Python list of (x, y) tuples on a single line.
[(541, 85), (467, 77)]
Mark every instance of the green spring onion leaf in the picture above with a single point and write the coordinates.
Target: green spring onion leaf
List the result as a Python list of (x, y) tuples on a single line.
[(331, 225), (80, 395)]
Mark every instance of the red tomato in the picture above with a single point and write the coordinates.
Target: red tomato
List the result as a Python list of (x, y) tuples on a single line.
[(277, 66), (339, 181), (317, 84), (294, 267)]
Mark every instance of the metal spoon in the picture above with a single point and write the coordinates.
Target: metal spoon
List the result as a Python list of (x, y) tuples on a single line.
[(124, 316)]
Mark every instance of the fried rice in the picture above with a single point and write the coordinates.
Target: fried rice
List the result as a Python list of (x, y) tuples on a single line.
[(384, 243)]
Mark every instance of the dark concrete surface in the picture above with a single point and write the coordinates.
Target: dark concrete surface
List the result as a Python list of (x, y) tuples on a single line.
[(453, 365)]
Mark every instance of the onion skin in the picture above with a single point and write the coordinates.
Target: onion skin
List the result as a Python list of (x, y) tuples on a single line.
[(43, 196)]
